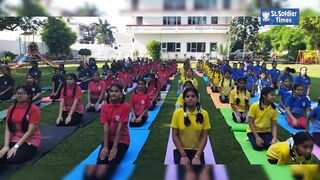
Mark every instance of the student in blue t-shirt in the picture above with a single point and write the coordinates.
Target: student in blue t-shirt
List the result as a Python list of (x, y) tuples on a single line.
[(263, 68), (241, 73), (274, 73), (284, 92), (286, 74), (251, 81), (304, 79), (250, 65), (225, 67), (314, 117), (297, 107), (234, 72), (263, 82), (256, 69)]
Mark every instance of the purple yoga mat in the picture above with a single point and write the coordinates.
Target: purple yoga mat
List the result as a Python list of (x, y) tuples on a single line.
[(316, 151), (219, 172), (208, 154)]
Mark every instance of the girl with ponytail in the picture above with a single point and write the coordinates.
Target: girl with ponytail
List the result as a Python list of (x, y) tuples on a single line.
[(22, 135), (189, 130), (263, 116), (240, 102)]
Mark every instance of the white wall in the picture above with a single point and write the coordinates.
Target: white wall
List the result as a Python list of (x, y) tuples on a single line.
[(141, 41)]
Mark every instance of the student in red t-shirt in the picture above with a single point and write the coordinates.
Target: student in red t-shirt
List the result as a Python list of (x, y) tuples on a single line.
[(96, 93), (116, 139), (130, 77), (110, 79), (122, 77), (163, 77), (139, 102), (71, 108), (154, 87), (22, 135)]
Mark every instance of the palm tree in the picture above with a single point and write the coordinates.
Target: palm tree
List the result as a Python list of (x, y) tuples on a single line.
[(223, 50), (104, 32)]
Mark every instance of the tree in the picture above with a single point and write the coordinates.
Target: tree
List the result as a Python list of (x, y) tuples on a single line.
[(28, 24), (154, 49), (58, 36), (87, 10), (310, 26), (31, 8), (103, 31), (242, 31), (223, 50), (262, 45)]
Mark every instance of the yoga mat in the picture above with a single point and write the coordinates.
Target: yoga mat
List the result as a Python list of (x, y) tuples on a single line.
[(46, 88), (12, 98), (284, 124), (208, 154), (206, 80), (227, 114), (51, 137), (217, 103), (171, 172), (276, 172), (88, 117), (254, 157), (316, 151), (138, 139), (220, 172)]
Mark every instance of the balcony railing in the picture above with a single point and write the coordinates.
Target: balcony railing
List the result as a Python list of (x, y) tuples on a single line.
[(204, 28)]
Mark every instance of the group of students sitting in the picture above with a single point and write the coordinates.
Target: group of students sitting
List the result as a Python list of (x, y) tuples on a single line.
[(237, 86), (22, 133)]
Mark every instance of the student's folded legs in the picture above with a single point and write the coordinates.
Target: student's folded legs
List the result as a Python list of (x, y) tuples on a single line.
[(190, 154), (301, 122), (121, 151), (266, 137), (75, 119), (138, 124), (24, 153)]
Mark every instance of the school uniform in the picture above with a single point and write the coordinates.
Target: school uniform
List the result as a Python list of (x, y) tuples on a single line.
[(57, 80), (241, 73), (142, 70), (225, 68), (298, 106), (263, 119), (109, 81), (226, 85), (241, 106), (135, 71), (28, 149), (284, 77), (36, 74), (189, 136), (234, 74), (123, 79), (256, 69), (192, 79), (275, 74), (140, 102), (163, 78), (68, 102), (95, 89), (105, 69), (251, 81), (315, 115), (113, 113), (262, 83), (284, 93), (5, 83), (35, 90), (279, 153), (305, 81), (85, 74), (93, 67), (215, 79), (153, 88)]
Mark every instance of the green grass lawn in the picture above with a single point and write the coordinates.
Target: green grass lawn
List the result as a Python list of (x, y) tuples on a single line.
[(61, 160)]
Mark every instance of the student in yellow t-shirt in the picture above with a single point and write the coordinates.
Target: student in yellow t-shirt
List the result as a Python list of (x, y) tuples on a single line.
[(240, 101), (189, 77), (225, 86), (296, 150), (306, 171), (263, 115), (189, 130), (215, 78)]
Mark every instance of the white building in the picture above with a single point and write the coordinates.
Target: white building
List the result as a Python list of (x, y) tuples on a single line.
[(184, 27)]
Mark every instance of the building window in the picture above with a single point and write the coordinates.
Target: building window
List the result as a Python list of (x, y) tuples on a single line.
[(214, 20), (139, 20), (174, 4), (134, 4), (226, 4), (205, 4), (196, 47), (197, 20), (171, 20), (171, 47), (213, 47)]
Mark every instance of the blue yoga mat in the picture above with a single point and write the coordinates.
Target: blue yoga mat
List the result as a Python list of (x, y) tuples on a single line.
[(152, 116), (138, 139), (283, 123), (206, 80)]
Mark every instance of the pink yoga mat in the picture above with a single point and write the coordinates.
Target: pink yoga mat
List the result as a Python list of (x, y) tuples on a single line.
[(208, 154), (316, 151), (219, 172)]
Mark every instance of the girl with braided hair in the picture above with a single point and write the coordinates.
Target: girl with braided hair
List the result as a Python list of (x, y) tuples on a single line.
[(189, 130)]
